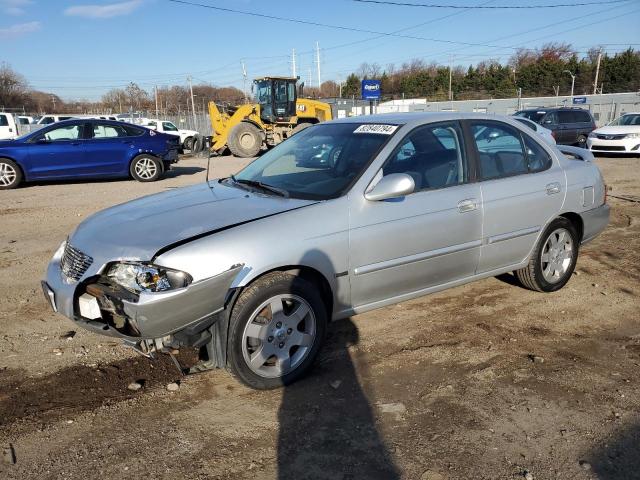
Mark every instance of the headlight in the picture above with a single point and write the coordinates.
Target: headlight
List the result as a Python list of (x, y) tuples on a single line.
[(632, 135), (593, 135), (145, 277)]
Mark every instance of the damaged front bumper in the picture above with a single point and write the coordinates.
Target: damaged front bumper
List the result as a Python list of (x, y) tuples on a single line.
[(146, 321)]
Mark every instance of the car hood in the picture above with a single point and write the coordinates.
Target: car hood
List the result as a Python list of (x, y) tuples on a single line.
[(137, 230), (617, 129)]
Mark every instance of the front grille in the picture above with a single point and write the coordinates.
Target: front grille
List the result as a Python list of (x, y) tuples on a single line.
[(74, 263), (611, 137), (608, 148)]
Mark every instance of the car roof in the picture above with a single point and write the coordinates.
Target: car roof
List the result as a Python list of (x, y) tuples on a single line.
[(418, 118)]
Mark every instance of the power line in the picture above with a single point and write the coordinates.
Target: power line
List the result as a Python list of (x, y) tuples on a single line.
[(492, 7), (335, 27)]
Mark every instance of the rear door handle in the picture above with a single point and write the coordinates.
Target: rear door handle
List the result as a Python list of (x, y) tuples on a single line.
[(553, 188), (467, 205)]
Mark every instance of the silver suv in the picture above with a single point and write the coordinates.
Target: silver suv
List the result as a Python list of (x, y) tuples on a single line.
[(344, 217)]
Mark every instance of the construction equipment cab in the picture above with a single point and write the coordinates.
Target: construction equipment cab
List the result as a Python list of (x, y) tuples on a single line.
[(276, 114)]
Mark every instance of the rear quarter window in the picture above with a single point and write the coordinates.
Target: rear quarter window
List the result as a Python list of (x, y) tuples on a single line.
[(133, 131), (4, 121), (583, 117)]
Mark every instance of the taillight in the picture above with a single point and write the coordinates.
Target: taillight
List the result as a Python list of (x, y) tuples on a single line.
[(553, 134)]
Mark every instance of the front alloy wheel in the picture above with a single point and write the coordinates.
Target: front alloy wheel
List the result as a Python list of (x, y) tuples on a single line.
[(276, 328), (279, 336)]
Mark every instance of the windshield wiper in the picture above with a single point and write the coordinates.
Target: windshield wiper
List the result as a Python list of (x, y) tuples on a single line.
[(260, 185)]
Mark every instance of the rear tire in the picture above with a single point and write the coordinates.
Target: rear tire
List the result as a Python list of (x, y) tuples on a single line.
[(275, 332), (10, 174), (145, 168), (244, 140), (553, 259)]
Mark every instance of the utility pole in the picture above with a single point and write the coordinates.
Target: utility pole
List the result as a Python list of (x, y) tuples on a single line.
[(193, 107), (156, 95), (556, 90), (310, 77), (595, 83), (450, 77), (53, 100), (244, 81), (573, 82), (293, 63), (318, 62)]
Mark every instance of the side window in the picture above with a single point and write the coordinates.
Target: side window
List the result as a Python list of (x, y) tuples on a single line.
[(566, 116), (68, 132), (550, 119), (432, 155), (46, 121), (169, 127), (583, 117), (537, 156), (500, 150), (4, 122), (107, 131)]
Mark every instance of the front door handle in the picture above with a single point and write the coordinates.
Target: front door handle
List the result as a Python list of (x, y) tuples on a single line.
[(553, 188), (467, 205)]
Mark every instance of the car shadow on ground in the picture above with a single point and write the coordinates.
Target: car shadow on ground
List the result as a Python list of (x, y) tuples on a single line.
[(178, 171), (618, 458), (327, 426)]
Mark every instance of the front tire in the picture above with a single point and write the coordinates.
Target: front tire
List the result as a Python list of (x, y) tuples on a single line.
[(553, 259), (145, 168), (10, 174), (188, 143), (276, 329), (582, 141), (244, 140)]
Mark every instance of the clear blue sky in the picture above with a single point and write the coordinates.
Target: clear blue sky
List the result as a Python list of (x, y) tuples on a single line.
[(82, 48)]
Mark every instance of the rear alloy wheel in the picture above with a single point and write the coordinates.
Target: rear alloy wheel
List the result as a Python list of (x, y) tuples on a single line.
[(146, 168), (244, 140), (276, 329), (10, 174), (553, 258)]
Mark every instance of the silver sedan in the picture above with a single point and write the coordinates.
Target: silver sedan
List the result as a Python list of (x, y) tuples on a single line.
[(344, 217)]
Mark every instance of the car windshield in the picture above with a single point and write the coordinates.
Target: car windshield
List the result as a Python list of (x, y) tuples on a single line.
[(319, 163), (534, 115), (628, 119)]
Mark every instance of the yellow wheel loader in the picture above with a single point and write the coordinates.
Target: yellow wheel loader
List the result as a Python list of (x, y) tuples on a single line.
[(276, 114)]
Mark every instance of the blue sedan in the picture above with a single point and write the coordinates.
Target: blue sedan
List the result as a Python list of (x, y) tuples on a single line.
[(87, 148)]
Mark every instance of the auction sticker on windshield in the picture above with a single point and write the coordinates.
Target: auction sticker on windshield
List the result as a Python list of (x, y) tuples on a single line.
[(373, 128)]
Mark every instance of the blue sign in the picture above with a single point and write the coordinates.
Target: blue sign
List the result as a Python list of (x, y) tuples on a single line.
[(579, 100), (371, 89)]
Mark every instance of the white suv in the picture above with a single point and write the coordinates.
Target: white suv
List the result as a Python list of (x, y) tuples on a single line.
[(620, 136)]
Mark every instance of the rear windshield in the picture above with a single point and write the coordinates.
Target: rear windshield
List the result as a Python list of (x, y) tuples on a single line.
[(320, 162), (535, 115)]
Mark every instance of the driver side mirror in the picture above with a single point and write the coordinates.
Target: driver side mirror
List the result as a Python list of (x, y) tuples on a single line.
[(391, 186)]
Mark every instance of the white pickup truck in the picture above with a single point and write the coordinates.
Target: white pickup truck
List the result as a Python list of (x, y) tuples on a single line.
[(186, 136), (8, 127)]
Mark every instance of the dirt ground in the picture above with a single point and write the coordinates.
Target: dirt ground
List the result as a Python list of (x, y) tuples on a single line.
[(484, 381)]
